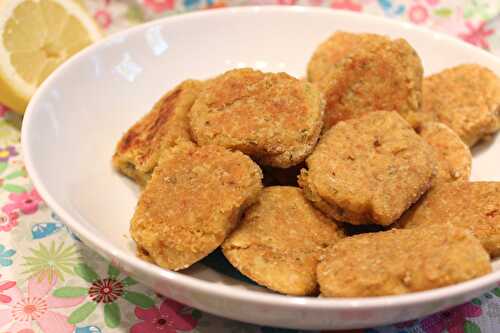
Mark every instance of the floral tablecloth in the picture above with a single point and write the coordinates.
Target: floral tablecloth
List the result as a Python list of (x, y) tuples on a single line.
[(50, 282)]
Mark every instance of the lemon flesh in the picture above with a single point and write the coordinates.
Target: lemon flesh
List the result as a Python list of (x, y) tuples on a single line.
[(36, 36)]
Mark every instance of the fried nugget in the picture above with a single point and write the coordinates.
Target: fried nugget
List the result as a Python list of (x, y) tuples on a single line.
[(466, 98), (401, 261), (383, 75), (140, 148), (280, 240), (334, 49), (474, 205), (453, 156), (272, 117), (192, 202), (368, 170)]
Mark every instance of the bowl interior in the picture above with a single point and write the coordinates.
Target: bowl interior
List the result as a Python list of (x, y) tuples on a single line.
[(80, 113)]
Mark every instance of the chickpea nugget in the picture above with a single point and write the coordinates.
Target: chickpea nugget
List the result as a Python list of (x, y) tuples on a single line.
[(139, 150), (334, 49), (368, 170), (192, 202), (453, 156), (383, 75), (401, 261), (280, 240), (272, 117), (466, 98), (474, 205)]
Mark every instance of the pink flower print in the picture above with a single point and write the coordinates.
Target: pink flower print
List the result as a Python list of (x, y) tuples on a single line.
[(7, 152), (315, 2), (168, 319), (103, 18), (346, 5), (8, 220), (3, 110), (37, 306), (26, 202), (418, 14), (287, 2), (452, 320), (159, 6), (432, 2), (477, 35), (3, 287)]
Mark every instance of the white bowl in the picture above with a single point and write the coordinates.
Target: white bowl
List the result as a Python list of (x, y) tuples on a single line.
[(75, 119)]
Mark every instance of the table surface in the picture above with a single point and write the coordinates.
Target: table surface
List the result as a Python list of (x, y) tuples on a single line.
[(34, 243)]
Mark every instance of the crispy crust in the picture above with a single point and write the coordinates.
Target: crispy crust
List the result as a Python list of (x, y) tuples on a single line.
[(280, 240), (466, 98), (140, 148), (334, 49), (383, 75), (272, 117), (368, 170), (474, 205), (401, 261), (453, 156), (192, 202)]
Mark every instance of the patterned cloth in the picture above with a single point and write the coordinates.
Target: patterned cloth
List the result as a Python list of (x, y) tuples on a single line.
[(50, 282)]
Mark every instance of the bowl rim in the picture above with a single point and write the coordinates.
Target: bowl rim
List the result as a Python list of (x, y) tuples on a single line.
[(107, 249)]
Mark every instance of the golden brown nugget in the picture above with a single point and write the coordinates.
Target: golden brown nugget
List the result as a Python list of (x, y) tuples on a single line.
[(466, 98), (272, 117), (401, 261), (334, 49), (143, 254), (192, 202), (472, 205), (453, 156), (368, 170), (280, 240), (140, 148), (384, 75)]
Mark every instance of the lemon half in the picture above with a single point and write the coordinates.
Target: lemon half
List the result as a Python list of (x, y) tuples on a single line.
[(36, 36)]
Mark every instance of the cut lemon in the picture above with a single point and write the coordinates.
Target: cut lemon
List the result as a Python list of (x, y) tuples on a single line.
[(36, 36)]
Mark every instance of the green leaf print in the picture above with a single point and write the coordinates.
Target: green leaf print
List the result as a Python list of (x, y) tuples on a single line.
[(134, 14), (112, 315), (8, 133), (16, 174), (139, 299), (86, 273), (196, 314), (14, 188), (82, 312), (113, 272), (443, 12), (470, 327), (70, 292), (128, 281), (496, 291), (3, 166)]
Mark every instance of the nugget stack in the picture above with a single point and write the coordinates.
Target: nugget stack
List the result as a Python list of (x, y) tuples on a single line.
[(281, 173)]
